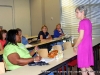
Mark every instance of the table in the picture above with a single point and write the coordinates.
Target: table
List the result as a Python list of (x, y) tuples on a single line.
[(47, 42), (37, 70), (31, 37)]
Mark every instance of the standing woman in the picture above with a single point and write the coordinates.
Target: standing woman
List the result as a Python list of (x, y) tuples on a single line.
[(83, 46)]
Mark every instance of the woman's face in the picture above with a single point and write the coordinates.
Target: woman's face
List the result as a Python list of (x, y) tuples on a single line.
[(58, 27), (44, 29), (18, 38), (20, 33), (78, 14), (4, 35)]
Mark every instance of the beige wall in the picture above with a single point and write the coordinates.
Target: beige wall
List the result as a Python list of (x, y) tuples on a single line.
[(41, 13), (20, 14), (36, 16), (52, 9)]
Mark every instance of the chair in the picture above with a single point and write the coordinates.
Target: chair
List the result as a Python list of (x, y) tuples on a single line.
[(43, 53), (57, 47), (2, 68), (74, 41), (73, 62), (67, 45)]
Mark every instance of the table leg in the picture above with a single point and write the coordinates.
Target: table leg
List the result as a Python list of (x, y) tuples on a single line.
[(95, 59)]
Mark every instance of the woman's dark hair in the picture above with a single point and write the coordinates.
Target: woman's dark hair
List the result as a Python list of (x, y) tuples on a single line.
[(1, 33), (18, 29), (11, 36)]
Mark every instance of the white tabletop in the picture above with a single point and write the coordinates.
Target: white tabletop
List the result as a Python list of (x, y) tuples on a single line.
[(35, 70), (45, 42)]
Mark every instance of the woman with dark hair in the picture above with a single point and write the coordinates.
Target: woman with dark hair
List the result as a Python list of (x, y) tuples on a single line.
[(3, 34), (15, 54), (2, 41)]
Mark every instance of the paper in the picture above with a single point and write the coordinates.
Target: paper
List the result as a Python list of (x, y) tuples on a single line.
[(28, 45), (47, 60)]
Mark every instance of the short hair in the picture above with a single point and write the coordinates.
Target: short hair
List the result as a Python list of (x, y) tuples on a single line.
[(81, 9), (18, 29), (44, 26), (1, 33), (11, 36)]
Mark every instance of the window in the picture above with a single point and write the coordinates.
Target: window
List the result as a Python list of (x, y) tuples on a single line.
[(70, 22)]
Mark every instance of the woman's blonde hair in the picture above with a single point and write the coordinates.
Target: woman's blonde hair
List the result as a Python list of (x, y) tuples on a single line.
[(44, 26), (57, 25)]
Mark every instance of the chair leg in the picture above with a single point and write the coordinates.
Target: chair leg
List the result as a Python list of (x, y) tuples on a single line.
[(70, 69), (78, 71)]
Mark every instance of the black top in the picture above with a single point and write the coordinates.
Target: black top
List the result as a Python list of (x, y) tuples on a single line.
[(45, 35)]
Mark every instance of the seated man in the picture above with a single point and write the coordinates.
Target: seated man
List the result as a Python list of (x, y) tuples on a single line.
[(23, 39)]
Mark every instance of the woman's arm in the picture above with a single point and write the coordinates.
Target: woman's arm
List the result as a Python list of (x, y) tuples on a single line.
[(1, 47), (49, 37), (81, 34), (34, 50), (15, 59)]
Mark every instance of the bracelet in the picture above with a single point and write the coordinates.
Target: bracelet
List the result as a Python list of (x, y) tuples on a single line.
[(35, 50)]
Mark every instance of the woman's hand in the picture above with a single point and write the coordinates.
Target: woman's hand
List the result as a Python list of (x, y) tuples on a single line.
[(75, 50), (37, 58), (36, 48)]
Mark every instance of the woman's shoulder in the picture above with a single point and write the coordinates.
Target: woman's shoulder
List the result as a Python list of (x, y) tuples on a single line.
[(10, 46), (55, 30), (41, 32), (85, 20)]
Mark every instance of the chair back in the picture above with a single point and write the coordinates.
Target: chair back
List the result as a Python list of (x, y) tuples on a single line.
[(57, 47), (67, 45), (2, 68), (43, 53)]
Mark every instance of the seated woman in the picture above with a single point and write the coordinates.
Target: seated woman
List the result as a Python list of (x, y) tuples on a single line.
[(58, 32), (2, 41), (43, 34), (3, 34), (15, 54)]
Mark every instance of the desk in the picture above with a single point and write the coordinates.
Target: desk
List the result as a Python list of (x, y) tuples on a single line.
[(47, 42), (37, 70), (31, 37)]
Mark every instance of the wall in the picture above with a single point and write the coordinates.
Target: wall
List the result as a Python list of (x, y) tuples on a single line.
[(52, 9), (41, 13), (36, 16), (20, 14)]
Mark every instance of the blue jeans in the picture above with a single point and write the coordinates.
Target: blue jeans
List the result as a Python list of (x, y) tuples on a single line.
[(60, 43), (51, 73)]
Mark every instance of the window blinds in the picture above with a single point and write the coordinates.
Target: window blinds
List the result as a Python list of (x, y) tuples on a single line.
[(69, 21)]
